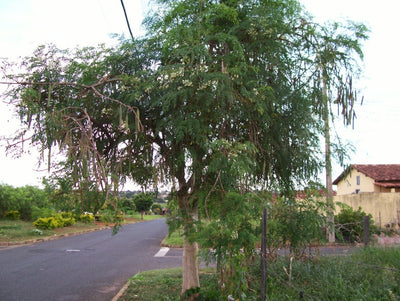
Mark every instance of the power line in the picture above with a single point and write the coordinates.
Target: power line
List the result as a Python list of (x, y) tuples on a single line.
[(126, 18)]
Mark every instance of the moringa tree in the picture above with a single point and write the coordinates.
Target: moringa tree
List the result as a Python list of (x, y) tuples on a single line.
[(218, 96), (337, 66)]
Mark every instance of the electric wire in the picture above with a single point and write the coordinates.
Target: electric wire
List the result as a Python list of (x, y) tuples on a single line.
[(126, 18)]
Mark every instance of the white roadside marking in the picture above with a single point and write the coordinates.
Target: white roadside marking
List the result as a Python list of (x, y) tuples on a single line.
[(72, 251), (162, 252)]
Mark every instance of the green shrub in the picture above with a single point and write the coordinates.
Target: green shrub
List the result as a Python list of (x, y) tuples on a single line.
[(13, 215), (42, 212), (143, 202), (69, 221), (130, 212), (127, 205), (66, 214), (86, 218), (349, 224), (156, 208), (66, 218), (21, 199), (106, 216), (56, 221), (233, 233), (48, 223), (42, 223)]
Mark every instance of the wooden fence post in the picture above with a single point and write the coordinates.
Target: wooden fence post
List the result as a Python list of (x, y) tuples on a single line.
[(366, 230), (263, 254)]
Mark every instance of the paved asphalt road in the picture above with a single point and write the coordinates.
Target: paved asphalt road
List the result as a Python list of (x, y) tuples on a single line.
[(86, 267)]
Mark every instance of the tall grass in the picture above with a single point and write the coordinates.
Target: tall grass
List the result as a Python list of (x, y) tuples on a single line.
[(368, 274)]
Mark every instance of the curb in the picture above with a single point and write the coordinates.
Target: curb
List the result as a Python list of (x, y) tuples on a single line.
[(121, 291)]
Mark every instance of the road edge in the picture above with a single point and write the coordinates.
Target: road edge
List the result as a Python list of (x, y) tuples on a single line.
[(121, 291), (48, 238)]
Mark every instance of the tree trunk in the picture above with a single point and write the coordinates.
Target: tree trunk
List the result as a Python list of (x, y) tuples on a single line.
[(328, 169), (190, 266)]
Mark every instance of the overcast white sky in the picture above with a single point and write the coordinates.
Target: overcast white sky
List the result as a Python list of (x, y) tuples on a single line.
[(25, 24)]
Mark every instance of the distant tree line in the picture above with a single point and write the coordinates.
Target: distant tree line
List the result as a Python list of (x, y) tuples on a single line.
[(27, 199)]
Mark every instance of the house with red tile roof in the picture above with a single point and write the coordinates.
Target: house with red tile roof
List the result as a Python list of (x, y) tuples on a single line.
[(358, 178)]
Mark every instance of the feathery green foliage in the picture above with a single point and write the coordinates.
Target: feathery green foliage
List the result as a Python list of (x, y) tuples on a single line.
[(219, 97)]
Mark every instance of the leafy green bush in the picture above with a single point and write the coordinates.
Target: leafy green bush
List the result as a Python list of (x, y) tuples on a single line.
[(66, 218), (130, 212), (21, 199), (57, 221), (66, 214), (42, 212), (296, 223), (127, 205), (143, 202), (106, 216), (48, 223), (349, 224), (86, 218), (13, 215), (156, 208), (232, 232), (68, 221)]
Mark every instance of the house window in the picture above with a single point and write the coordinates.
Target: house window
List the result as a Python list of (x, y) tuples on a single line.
[(358, 180)]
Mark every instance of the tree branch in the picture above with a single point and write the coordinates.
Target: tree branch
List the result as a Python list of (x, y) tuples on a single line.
[(102, 81)]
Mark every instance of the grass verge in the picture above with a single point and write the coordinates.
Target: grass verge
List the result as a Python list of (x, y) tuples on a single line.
[(166, 285), (16, 231), (370, 274), (174, 240), (145, 217)]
